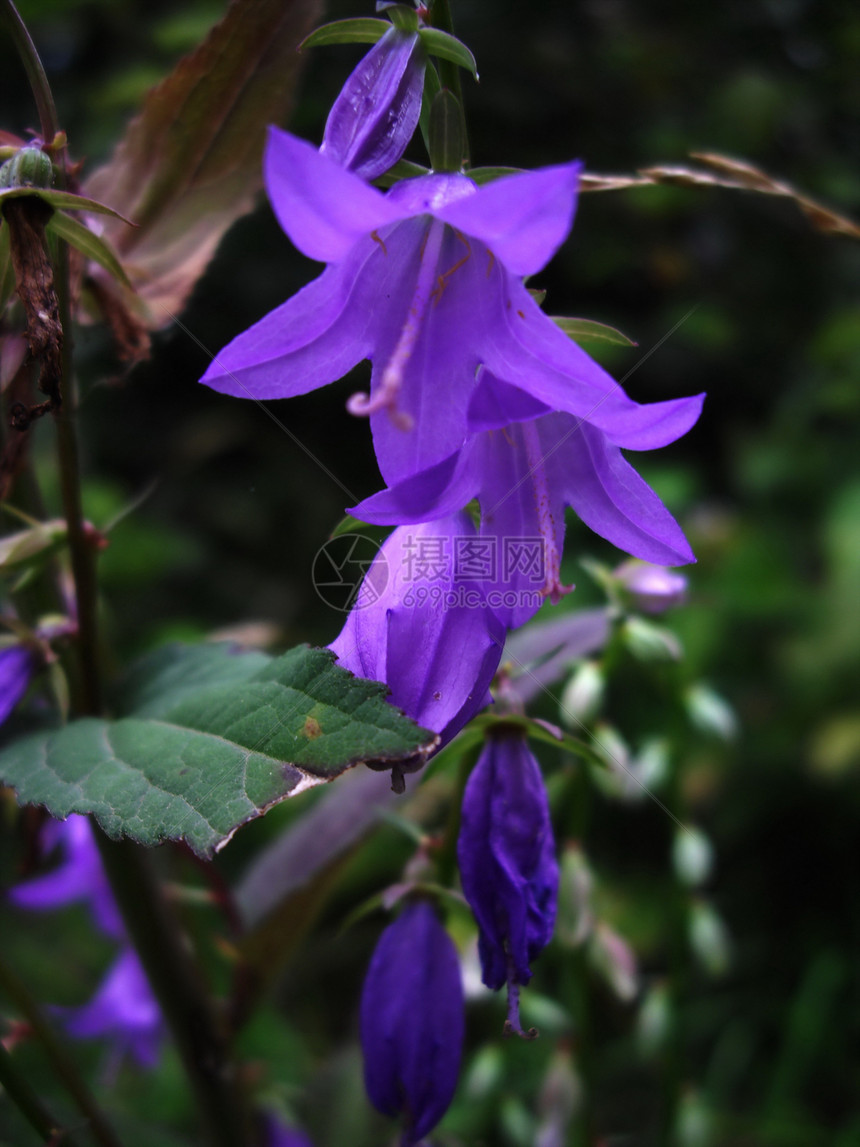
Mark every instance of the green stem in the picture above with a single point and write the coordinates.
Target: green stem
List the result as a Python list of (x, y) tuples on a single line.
[(28, 1102), (176, 981), (449, 72), (35, 72), (61, 1062)]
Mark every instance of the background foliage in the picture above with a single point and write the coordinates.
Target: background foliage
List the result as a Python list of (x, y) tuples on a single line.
[(767, 488)]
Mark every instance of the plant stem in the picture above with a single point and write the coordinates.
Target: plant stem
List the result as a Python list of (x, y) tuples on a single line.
[(449, 72), (176, 982), (35, 72), (62, 1063), (28, 1102)]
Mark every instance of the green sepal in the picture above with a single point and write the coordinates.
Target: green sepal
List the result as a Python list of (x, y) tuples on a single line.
[(63, 199), (587, 330), (362, 30), (488, 174), (446, 47), (88, 243), (404, 18), (446, 132)]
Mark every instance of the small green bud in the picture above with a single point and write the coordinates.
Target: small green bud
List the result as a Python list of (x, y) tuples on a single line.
[(29, 167)]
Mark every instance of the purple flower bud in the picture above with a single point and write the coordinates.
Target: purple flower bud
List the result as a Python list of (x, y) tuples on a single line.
[(431, 639), (372, 120), (654, 589), (412, 1021), (16, 668), (79, 876), (508, 868), (124, 1011)]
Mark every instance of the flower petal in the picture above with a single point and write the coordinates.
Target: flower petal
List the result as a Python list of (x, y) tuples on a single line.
[(523, 218), (433, 493), (611, 498), (324, 208)]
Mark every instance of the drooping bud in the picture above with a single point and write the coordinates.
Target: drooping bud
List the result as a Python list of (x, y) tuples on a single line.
[(412, 1022), (374, 117), (506, 854), (653, 588), (433, 640)]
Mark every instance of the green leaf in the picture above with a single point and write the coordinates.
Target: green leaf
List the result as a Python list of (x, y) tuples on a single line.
[(88, 243), (27, 546), (60, 199), (363, 30), (487, 174), (447, 47), (190, 163), (209, 745), (403, 169), (587, 330)]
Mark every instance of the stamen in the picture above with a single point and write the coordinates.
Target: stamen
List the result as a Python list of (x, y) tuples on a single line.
[(391, 381), (554, 589), (377, 238), (442, 280)]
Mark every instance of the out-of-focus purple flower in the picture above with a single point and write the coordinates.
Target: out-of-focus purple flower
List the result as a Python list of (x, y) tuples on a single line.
[(654, 589), (524, 474), (412, 1021), (372, 120), (79, 876), (434, 641), (124, 1011), (426, 281), (506, 854), (278, 1134), (17, 665)]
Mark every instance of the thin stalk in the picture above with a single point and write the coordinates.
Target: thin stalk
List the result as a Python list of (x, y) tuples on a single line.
[(35, 72), (176, 982), (28, 1102), (61, 1062), (449, 72)]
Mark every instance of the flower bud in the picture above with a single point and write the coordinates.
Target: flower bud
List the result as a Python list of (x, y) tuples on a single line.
[(17, 665), (692, 856), (29, 167), (653, 588), (374, 117), (506, 853), (583, 694), (412, 1022), (650, 642)]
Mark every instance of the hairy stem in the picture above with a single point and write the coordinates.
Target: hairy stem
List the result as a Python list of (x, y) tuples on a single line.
[(61, 1062)]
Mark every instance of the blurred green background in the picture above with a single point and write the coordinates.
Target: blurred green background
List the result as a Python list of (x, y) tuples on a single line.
[(767, 487)]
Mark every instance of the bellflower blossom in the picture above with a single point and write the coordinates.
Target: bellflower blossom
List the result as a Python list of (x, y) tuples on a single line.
[(426, 281), (124, 1011), (17, 665), (412, 1021), (506, 854), (374, 117), (524, 473), (435, 642), (79, 876)]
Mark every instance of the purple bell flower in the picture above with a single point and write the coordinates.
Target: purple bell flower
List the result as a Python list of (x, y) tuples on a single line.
[(79, 876), (412, 1021), (525, 464), (431, 638), (17, 665), (374, 117), (653, 588), (426, 281), (506, 854), (124, 1011)]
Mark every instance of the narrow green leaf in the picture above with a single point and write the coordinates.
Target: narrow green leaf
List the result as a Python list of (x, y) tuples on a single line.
[(587, 330), (88, 243), (363, 30), (28, 546), (446, 132), (60, 199), (447, 47), (488, 174), (403, 169), (432, 87), (195, 764)]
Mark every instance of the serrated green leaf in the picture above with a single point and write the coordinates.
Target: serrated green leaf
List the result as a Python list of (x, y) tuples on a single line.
[(587, 330), (88, 243), (362, 30), (195, 764), (63, 199), (447, 47)]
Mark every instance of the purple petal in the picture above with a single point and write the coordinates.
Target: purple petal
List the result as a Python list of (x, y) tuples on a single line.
[(611, 498), (412, 1021), (496, 404), (523, 218), (278, 1134), (16, 668), (374, 117), (324, 208), (433, 493), (506, 854)]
